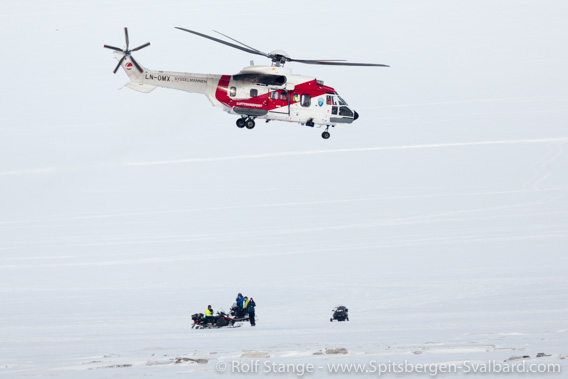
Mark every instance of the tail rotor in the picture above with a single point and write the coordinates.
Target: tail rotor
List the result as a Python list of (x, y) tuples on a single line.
[(127, 52)]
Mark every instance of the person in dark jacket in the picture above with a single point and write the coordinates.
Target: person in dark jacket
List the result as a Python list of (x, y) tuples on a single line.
[(250, 309)]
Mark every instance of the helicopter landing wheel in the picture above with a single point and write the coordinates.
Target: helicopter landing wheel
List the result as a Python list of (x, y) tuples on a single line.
[(249, 123), (325, 135), (241, 123)]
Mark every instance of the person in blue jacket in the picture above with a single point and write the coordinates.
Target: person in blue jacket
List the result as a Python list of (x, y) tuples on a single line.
[(240, 300)]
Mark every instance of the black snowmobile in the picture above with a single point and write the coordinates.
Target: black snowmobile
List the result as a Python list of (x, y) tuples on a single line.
[(218, 321), (340, 314), (239, 314)]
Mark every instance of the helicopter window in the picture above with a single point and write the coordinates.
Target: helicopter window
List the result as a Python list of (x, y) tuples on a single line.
[(341, 101), (333, 110), (253, 92), (296, 98), (344, 111), (284, 96), (306, 100), (233, 92), (274, 95), (331, 100)]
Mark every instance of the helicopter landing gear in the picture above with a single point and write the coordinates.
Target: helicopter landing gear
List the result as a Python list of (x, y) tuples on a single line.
[(325, 134), (249, 123)]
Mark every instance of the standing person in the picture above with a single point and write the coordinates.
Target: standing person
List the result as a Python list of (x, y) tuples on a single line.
[(240, 301), (250, 308)]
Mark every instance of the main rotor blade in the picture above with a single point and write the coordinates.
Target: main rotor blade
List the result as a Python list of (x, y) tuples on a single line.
[(126, 35), (119, 63), (225, 42), (113, 48), (232, 39), (141, 47), (136, 64), (335, 63), (319, 60)]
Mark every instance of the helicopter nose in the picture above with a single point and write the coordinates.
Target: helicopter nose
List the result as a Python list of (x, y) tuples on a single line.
[(355, 116)]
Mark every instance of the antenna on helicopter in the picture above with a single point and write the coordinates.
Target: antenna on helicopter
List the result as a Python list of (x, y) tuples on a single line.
[(279, 57), (127, 52)]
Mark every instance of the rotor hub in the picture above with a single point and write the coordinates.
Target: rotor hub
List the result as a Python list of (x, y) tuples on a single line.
[(279, 57), (126, 52)]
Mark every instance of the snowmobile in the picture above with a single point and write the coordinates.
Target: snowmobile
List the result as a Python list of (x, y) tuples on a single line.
[(218, 321), (340, 314), (239, 314)]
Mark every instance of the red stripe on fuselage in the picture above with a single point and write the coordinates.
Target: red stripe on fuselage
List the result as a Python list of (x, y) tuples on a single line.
[(221, 93), (264, 101)]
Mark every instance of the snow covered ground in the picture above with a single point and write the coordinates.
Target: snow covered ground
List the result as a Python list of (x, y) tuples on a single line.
[(440, 218)]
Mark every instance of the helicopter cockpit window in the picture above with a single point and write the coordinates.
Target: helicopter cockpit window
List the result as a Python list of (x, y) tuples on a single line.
[(274, 95), (345, 111), (233, 92), (306, 100), (341, 101), (253, 92), (331, 100)]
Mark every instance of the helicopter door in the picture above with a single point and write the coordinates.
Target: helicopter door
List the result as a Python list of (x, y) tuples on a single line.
[(331, 105), (279, 102)]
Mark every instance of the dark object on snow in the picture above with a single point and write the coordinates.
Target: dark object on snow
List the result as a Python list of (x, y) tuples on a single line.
[(514, 358), (340, 350), (183, 359), (340, 314), (218, 321), (250, 309), (239, 313)]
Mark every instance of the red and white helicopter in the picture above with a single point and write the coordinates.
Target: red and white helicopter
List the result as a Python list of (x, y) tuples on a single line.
[(264, 92)]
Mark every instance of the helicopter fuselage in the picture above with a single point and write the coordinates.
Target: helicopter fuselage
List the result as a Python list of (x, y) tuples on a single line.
[(264, 92)]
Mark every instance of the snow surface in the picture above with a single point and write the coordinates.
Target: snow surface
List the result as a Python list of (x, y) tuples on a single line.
[(439, 218)]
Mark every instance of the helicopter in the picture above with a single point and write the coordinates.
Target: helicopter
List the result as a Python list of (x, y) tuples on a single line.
[(256, 92)]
